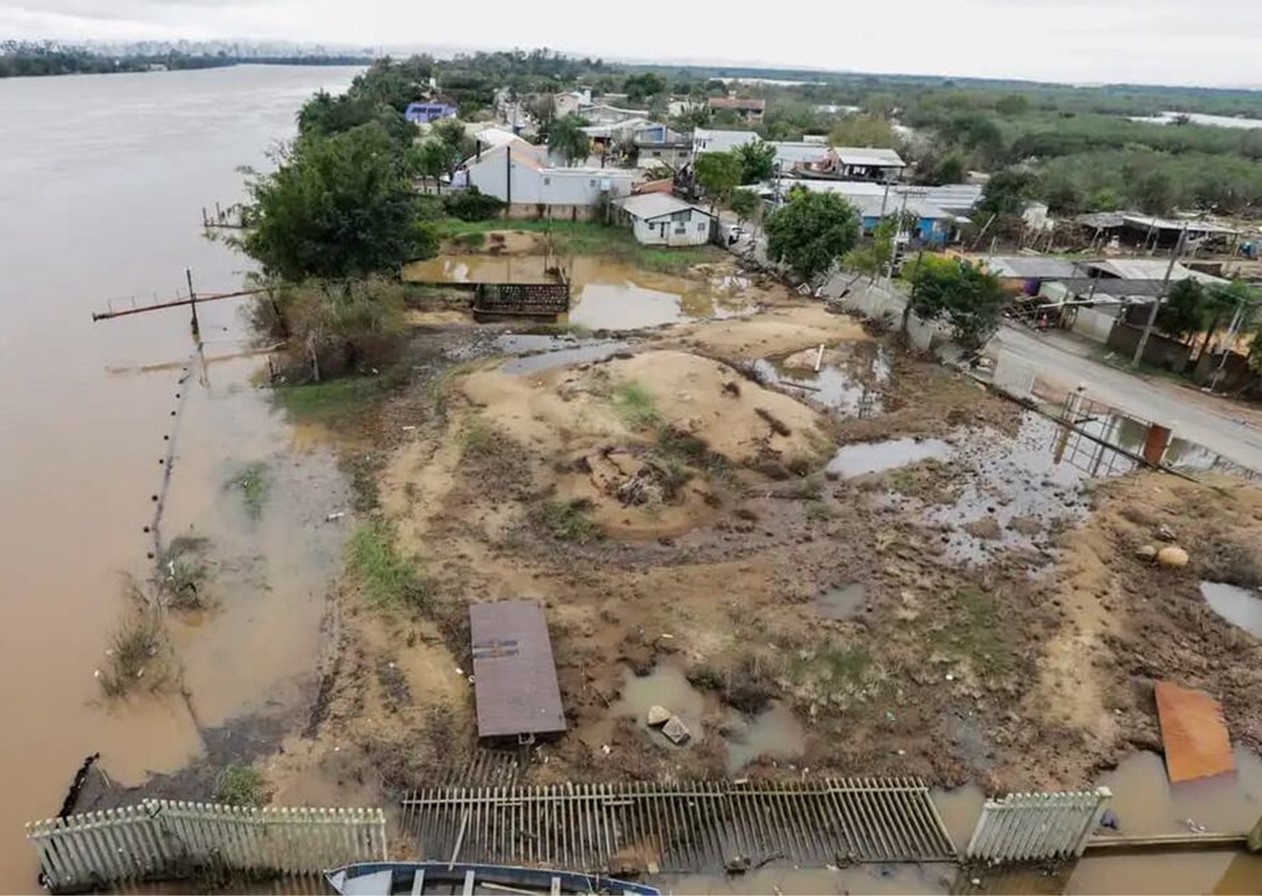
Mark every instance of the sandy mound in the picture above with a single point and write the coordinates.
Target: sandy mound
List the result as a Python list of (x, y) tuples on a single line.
[(775, 333), (570, 409)]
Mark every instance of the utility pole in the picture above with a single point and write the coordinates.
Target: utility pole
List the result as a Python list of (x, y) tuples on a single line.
[(1165, 285)]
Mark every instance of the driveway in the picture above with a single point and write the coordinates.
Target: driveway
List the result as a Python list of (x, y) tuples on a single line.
[(1222, 426)]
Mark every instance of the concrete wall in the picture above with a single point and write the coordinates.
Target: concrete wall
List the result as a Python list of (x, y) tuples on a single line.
[(1095, 325), (550, 186), (1234, 374), (1161, 351), (666, 232), (535, 211)]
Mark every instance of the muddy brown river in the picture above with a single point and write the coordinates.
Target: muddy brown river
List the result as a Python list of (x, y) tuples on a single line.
[(102, 182)]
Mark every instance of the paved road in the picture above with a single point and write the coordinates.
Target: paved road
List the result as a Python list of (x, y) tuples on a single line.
[(1222, 426)]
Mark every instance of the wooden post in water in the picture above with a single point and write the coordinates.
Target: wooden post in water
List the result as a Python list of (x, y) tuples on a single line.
[(192, 303)]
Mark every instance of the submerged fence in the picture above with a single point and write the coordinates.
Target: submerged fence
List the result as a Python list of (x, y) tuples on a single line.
[(1031, 827), (160, 839), (700, 826)]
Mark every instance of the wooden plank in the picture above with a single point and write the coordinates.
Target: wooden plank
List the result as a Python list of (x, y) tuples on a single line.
[(1193, 732)]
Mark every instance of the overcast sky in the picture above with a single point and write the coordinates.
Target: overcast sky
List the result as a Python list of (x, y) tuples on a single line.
[(1210, 42)]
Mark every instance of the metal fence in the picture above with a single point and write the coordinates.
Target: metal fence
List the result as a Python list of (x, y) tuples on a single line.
[(1032, 827), (161, 839), (683, 827)]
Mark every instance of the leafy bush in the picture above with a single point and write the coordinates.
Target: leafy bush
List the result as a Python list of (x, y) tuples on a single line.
[(472, 205)]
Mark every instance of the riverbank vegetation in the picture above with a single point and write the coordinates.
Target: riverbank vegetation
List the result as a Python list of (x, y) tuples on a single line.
[(25, 59)]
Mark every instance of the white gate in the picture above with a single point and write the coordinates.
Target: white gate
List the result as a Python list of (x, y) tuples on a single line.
[(1031, 827), (160, 838)]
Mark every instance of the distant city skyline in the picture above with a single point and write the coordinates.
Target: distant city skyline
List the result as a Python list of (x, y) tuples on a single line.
[(1211, 44)]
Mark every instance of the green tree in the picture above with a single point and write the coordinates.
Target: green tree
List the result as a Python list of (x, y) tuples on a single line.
[(718, 173), (337, 206), (758, 161), (811, 232), (864, 130), (451, 132), (745, 204), (567, 140), (1184, 309), (434, 159), (1011, 105), (1007, 192), (642, 87), (969, 298)]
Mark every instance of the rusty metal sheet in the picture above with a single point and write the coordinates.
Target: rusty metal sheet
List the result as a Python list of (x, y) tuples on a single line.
[(1197, 744), (515, 678)]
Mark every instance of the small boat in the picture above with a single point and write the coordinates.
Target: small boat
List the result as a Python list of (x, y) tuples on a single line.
[(416, 878)]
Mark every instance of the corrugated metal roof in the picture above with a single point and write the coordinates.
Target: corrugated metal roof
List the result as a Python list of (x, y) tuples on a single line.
[(1148, 269), (515, 679), (1031, 267), (867, 155), (655, 205), (800, 152)]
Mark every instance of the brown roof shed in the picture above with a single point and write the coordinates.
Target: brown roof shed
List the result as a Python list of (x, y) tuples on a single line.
[(515, 679)]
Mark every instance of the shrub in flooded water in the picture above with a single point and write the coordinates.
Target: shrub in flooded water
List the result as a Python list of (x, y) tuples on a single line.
[(180, 575), (139, 656), (253, 483)]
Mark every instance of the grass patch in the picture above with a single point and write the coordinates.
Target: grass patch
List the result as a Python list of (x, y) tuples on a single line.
[(253, 483), (386, 576), (337, 397), (240, 785), (589, 238), (566, 520), (477, 439), (975, 632), (636, 405)]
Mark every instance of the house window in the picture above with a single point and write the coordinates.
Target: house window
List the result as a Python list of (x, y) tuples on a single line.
[(680, 228), (657, 153), (680, 216), (592, 182), (547, 181), (701, 227)]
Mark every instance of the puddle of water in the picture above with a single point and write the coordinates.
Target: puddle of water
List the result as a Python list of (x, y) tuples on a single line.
[(606, 294), (664, 686), (875, 457), (1027, 477), (871, 879), (584, 353), (1239, 606), (841, 603), (1147, 803), (775, 732), (848, 389), (959, 808), (1186, 872)]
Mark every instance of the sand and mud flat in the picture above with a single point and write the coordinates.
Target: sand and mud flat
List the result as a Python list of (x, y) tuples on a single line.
[(843, 560), (876, 567)]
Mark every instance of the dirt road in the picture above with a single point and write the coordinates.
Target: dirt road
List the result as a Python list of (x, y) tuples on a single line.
[(1222, 426)]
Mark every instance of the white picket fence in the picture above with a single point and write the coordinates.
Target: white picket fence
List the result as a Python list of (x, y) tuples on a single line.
[(159, 839), (1030, 827)]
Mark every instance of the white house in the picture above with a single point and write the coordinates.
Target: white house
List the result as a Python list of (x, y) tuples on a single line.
[(518, 173), (659, 219), (706, 140), (570, 102)]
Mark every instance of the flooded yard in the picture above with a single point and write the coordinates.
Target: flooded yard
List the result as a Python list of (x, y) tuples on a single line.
[(606, 294)]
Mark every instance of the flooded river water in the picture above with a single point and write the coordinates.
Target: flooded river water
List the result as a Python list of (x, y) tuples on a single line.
[(101, 188)]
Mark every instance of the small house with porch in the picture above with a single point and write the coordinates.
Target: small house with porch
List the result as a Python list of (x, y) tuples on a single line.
[(659, 219)]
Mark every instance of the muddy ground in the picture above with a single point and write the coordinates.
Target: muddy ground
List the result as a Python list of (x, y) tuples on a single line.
[(673, 503), (954, 603)]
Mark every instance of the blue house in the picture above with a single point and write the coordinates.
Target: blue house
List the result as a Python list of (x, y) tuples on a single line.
[(424, 113), (933, 227)]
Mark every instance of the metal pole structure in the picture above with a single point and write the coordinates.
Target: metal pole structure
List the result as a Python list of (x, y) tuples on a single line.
[(1165, 285), (192, 303)]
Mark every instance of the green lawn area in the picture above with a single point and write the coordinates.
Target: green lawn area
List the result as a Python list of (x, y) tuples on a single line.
[(591, 238)]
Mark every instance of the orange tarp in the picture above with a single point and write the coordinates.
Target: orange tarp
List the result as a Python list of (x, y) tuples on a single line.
[(1195, 736)]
